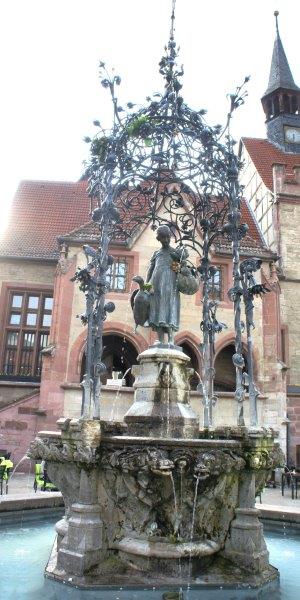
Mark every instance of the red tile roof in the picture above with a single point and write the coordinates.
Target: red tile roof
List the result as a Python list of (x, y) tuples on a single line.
[(40, 212), (264, 155), (254, 236)]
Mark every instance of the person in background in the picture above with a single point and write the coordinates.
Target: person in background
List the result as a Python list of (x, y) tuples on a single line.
[(8, 464)]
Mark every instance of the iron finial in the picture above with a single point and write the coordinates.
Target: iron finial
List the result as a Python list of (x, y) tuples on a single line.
[(276, 13), (172, 29)]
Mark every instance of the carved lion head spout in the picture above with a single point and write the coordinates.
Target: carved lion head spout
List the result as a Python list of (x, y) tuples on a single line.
[(216, 463), (206, 466), (160, 465), (181, 464)]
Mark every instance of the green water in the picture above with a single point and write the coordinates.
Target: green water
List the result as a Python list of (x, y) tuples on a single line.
[(25, 548)]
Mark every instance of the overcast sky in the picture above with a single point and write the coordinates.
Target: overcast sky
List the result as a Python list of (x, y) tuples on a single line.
[(50, 50)]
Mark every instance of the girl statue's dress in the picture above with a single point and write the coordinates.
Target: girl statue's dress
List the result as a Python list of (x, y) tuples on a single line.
[(164, 300)]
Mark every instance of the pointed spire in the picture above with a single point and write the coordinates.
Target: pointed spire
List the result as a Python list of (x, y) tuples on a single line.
[(280, 72), (168, 65), (172, 28)]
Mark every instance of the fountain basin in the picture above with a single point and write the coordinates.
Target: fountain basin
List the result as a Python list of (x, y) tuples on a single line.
[(136, 506)]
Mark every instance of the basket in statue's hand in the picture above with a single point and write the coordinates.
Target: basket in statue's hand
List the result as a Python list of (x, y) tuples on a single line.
[(187, 282)]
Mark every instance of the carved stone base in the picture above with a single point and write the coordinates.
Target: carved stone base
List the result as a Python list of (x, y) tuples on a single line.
[(82, 546), (246, 546), (163, 557), (161, 398)]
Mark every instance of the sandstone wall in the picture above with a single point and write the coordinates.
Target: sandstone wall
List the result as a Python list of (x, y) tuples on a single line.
[(26, 272), (19, 423)]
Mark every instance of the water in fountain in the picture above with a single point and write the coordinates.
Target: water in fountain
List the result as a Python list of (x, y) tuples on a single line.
[(176, 514), (194, 509), (116, 398), (200, 380), (25, 457), (192, 532), (126, 323), (181, 468), (32, 545)]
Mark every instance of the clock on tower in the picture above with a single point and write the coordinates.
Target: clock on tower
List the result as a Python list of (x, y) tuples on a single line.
[(292, 135)]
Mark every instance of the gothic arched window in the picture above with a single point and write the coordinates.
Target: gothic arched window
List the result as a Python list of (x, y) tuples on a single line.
[(225, 369), (119, 354)]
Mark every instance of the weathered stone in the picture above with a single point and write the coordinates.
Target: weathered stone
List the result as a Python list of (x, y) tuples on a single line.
[(149, 504), (161, 399), (81, 547), (245, 545)]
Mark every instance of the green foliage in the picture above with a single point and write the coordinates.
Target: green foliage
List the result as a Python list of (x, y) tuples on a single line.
[(133, 129), (99, 147), (141, 127), (147, 287)]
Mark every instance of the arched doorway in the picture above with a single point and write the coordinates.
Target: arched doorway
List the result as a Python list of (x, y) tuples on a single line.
[(119, 354), (225, 369), (189, 350)]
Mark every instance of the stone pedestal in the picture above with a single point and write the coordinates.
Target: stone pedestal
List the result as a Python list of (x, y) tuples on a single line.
[(81, 548), (161, 400), (245, 545)]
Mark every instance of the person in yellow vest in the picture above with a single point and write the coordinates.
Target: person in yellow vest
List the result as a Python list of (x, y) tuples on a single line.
[(7, 463), (8, 466)]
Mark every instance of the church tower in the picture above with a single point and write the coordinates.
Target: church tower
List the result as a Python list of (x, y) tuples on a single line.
[(281, 101)]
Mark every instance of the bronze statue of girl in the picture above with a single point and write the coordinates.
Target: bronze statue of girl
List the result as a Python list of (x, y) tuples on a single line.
[(164, 297), (157, 303)]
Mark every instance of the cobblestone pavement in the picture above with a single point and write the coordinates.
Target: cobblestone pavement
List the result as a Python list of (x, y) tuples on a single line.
[(272, 496)]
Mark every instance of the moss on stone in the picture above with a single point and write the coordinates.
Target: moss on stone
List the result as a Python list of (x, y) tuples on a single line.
[(113, 564)]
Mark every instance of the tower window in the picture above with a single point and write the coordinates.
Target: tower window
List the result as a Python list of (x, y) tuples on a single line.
[(286, 103), (295, 109), (269, 109), (276, 106)]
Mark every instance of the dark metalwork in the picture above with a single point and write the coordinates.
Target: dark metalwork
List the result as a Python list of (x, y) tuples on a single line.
[(92, 281), (209, 325), (235, 231), (250, 289), (162, 164)]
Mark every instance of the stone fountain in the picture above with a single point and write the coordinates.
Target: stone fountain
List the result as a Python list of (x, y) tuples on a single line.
[(156, 501)]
